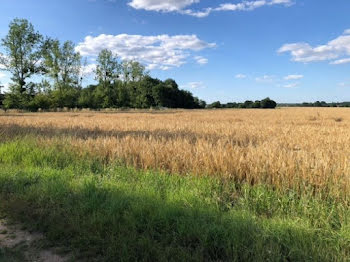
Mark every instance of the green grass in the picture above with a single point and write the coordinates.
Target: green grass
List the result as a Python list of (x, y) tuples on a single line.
[(12, 255), (116, 213)]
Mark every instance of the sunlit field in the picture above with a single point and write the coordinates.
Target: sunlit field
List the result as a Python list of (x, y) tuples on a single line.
[(206, 184), (287, 148)]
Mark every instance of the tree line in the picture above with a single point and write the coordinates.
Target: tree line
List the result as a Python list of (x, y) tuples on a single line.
[(58, 71), (30, 56), (265, 103), (316, 104)]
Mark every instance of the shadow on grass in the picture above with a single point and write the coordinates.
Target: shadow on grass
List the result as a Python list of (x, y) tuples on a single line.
[(11, 255), (107, 222)]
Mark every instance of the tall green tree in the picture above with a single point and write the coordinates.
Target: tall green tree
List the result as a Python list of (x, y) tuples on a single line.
[(62, 63), (108, 72), (23, 51), (133, 71), (63, 67), (135, 78), (108, 67), (166, 94), (268, 103), (138, 71)]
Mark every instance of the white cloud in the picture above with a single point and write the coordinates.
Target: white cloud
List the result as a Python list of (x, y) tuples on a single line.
[(291, 85), (199, 14), (162, 5), (265, 79), (181, 5), (240, 76), (344, 84), (157, 52), (2, 56), (286, 2), (293, 77), (334, 50), (88, 69), (279, 81), (4, 87), (194, 85), (201, 60), (244, 6), (341, 61)]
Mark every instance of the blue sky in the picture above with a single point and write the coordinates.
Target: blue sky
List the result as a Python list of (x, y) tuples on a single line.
[(227, 50)]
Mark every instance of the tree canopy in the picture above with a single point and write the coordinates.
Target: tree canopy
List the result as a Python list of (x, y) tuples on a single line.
[(59, 73)]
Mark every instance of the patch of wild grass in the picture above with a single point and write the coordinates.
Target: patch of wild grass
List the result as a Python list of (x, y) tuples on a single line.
[(11, 255), (299, 148), (114, 213)]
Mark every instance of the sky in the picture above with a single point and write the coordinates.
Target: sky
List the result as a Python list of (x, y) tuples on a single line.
[(226, 50)]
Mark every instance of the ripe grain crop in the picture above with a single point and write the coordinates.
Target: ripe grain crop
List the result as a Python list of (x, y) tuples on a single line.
[(305, 149)]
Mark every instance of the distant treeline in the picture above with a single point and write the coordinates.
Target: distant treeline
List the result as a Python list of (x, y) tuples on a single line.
[(265, 103), (315, 104), (59, 72)]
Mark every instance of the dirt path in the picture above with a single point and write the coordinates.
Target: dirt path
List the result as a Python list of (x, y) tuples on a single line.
[(18, 244)]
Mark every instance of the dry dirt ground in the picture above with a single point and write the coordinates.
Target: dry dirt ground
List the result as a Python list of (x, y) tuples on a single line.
[(18, 244)]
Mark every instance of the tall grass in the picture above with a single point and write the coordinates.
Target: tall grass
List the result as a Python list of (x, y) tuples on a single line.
[(110, 212), (299, 149)]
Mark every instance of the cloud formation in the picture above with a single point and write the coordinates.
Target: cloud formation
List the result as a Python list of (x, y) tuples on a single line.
[(162, 5), (291, 85), (88, 70), (194, 85), (201, 60), (3, 58), (278, 81), (293, 77), (181, 6), (157, 52), (240, 76), (336, 50), (341, 61), (266, 79)]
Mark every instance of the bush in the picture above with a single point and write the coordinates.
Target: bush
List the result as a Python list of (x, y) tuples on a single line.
[(268, 103), (40, 101), (216, 104)]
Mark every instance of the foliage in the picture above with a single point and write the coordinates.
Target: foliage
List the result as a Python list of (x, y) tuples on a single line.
[(317, 104), (62, 63), (63, 67), (120, 83), (216, 104), (2, 97), (250, 146), (268, 103), (23, 50), (108, 71), (116, 213), (265, 103)]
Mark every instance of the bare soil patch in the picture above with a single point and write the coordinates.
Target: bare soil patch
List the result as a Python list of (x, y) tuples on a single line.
[(19, 244)]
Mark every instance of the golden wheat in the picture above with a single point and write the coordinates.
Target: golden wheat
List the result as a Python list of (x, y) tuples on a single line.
[(287, 148)]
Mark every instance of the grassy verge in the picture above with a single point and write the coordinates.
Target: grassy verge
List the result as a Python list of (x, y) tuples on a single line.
[(116, 213), (11, 255)]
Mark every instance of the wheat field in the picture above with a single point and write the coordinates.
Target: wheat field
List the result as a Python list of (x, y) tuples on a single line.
[(307, 149)]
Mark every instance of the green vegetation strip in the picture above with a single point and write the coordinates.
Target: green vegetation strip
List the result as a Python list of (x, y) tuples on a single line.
[(115, 213)]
